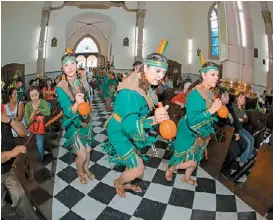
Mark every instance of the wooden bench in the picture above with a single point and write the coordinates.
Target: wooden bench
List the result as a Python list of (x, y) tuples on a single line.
[(217, 151), (257, 191), (25, 168)]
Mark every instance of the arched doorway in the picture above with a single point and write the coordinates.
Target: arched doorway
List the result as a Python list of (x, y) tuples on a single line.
[(87, 52)]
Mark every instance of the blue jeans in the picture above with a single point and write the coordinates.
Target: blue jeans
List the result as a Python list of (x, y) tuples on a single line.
[(250, 145), (40, 142)]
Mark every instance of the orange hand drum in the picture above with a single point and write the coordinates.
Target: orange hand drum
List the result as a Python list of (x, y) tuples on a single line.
[(223, 112), (168, 129), (84, 109)]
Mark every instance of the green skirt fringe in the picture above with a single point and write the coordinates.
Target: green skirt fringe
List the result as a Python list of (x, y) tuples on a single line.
[(195, 153), (74, 143), (129, 159)]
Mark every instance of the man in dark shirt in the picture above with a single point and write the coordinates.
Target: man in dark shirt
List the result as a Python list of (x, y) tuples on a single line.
[(20, 90), (9, 182)]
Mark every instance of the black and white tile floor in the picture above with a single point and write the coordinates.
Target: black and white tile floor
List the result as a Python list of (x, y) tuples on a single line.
[(160, 199)]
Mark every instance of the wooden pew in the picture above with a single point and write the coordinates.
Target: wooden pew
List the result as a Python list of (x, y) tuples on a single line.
[(169, 93), (53, 102), (259, 184), (257, 191), (217, 151), (175, 111), (25, 168), (257, 122)]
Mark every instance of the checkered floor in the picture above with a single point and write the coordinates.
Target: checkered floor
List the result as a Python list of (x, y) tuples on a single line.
[(160, 199)]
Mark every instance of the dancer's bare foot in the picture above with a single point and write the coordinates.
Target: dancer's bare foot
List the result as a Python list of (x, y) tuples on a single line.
[(169, 175), (119, 189), (189, 181), (90, 175), (132, 187), (82, 178)]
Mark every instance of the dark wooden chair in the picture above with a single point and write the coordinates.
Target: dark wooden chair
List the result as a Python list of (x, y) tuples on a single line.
[(217, 150)]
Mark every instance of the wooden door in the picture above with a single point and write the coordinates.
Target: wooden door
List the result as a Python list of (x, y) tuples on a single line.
[(10, 71)]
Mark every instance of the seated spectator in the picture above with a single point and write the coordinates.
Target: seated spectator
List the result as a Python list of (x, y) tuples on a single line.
[(180, 99), (49, 91), (35, 107), (240, 114), (14, 109), (57, 80), (237, 145), (21, 207), (168, 83), (20, 90)]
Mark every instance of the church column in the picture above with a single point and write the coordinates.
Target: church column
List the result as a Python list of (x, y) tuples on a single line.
[(240, 63), (248, 49), (141, 12), (268, 29), (44, 23), (232, 66)]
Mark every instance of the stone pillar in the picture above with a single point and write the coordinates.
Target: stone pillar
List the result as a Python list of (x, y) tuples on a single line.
[(268, 28), (141, 12), (44, 23), (248, 58), (232, 66)]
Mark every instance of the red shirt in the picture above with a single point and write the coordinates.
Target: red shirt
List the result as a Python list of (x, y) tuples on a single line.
[(48, 96), (179, 97), (2, 108)]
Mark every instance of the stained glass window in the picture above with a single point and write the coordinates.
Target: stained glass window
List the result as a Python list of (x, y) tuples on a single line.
[(214, 31)]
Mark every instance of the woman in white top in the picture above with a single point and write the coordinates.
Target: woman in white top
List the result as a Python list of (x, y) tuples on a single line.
[(14, 109)]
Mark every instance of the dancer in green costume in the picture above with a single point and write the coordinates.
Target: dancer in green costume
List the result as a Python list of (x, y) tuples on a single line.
[(111, 90), (195, 128), (97, 78), (129, 122), (105, 83), (73, 90)]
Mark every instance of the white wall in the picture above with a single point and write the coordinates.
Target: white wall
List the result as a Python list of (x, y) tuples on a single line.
[(166, 21), (259, 34), (19, 33), (196, 21), (198, 31)]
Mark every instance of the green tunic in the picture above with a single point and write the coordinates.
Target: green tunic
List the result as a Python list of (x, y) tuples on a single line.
[(111, 88), (98, 79), (78, 130), (194, 129), (127, 128), (104, 85)]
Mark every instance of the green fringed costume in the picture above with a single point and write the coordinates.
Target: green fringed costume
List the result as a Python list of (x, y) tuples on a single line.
[(111, 88), (128, 125), (194, 129), (98, 79), (104, 86), (78, 130)]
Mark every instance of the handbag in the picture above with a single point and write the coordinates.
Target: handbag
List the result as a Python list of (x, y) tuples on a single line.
[(38, 125)]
